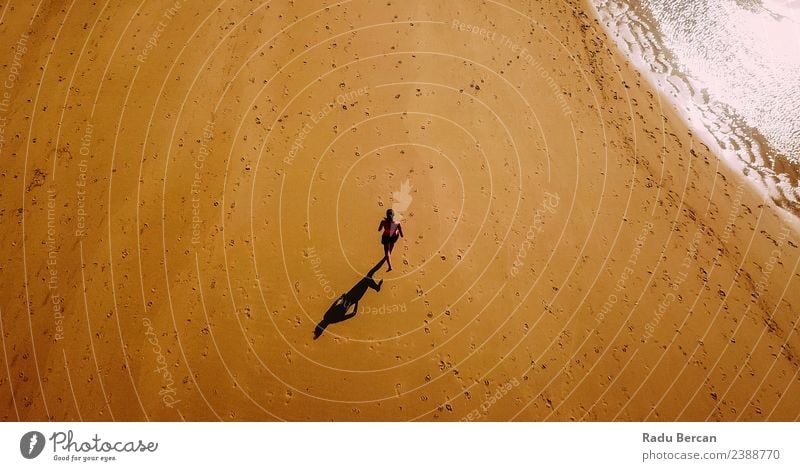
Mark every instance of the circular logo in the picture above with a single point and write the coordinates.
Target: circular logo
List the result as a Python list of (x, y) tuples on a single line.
[(31, 444)]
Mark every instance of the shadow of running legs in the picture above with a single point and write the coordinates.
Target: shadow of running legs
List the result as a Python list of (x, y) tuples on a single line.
[(340, 309)]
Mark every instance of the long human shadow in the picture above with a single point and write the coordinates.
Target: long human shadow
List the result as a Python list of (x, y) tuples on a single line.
[(340, 309)]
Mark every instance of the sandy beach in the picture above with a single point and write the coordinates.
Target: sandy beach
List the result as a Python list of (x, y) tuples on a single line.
[(187, 189)]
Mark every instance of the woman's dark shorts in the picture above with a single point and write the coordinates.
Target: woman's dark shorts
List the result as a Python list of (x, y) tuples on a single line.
[(385, 239)]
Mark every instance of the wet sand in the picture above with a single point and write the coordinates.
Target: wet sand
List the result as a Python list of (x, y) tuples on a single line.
[(187, 189)]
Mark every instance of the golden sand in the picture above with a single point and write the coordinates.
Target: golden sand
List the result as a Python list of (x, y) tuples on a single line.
[(187, 188)]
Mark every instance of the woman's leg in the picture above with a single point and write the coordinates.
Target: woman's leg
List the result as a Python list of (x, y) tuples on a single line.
[(387, 252)]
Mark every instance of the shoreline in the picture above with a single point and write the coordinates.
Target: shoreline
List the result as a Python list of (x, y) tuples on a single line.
[(752, 145)]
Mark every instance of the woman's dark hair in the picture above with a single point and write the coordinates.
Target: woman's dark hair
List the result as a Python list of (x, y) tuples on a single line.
[(390, 214)]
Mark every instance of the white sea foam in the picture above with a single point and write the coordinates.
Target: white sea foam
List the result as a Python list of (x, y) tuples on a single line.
[(732, 67)]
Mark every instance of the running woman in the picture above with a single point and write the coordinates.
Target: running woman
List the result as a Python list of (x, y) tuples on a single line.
[(391, 232)]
